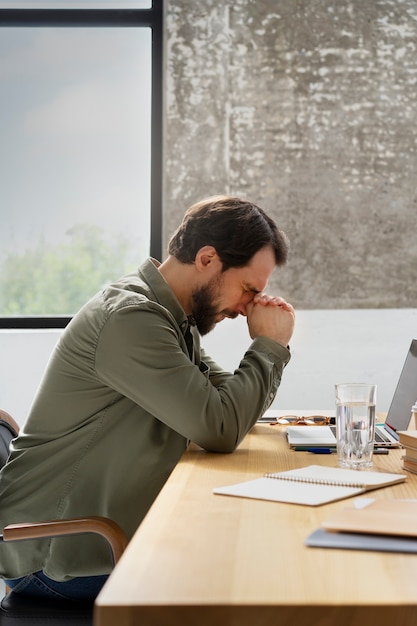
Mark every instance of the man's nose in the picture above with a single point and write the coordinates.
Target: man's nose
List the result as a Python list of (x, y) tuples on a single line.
[(242, 306)]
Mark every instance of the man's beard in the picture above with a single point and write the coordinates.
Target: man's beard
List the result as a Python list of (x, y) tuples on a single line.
[(205, 309)]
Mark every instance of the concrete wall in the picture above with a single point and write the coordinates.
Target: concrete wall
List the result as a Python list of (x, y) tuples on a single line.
[(308, 108)]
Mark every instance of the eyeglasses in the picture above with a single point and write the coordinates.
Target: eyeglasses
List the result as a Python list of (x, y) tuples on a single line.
[(296, 420)]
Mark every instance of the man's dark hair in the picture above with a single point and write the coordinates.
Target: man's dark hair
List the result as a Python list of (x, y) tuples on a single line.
[(237, 229)]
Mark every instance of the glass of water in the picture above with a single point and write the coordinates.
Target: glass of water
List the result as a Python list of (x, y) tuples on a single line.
[(355, 424)]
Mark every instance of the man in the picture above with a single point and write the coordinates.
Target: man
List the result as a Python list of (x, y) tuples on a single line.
[(128, 386)]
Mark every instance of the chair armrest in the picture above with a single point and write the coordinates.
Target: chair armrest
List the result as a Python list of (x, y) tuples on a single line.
[(56, 528), (9, 419)]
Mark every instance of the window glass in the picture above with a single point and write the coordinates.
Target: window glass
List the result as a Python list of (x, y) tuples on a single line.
[(74, 163)]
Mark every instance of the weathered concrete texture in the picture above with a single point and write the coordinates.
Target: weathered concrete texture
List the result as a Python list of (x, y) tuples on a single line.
[(309, 108)]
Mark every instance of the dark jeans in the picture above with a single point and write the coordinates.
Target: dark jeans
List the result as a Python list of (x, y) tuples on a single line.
[(39, 585)]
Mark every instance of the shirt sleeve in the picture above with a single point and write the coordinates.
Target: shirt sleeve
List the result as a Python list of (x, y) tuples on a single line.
[(141, 353)]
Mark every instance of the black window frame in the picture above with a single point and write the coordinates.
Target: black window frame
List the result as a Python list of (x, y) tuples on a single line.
[(90, 18)]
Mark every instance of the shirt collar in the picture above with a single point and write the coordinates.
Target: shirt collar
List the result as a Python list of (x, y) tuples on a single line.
[(163, 293)]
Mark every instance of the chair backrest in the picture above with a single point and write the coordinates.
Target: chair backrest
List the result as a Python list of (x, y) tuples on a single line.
[(8, 431)]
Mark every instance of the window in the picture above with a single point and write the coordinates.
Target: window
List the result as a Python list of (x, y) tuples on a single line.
[(80, 152)]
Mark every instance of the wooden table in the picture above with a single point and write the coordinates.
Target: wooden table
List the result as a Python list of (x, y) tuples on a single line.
[(200, 558)]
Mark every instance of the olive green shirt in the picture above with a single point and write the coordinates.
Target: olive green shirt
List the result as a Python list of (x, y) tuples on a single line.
[(119, 402)]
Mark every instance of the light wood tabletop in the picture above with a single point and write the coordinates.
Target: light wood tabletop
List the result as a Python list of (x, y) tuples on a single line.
[(200, 558)]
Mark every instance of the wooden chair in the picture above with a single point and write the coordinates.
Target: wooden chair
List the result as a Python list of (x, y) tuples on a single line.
[(17, 610)]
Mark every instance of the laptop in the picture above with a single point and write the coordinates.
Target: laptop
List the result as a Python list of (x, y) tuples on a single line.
[(386, 435)]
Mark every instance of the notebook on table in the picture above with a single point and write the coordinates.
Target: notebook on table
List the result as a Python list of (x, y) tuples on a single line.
[(386, 435), (312, 485), (384, 525), (378, 517)]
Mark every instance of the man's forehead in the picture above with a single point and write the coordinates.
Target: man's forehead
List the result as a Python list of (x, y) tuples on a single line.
[(255, 281), (259, 270)]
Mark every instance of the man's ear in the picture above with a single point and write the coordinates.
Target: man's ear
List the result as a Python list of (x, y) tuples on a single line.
[(206, 258)]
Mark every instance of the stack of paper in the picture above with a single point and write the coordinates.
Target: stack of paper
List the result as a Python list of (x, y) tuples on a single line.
[(383, 525), (408, 439)]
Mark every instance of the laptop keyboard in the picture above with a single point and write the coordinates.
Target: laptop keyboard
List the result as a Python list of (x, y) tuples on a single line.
[(379, 436)]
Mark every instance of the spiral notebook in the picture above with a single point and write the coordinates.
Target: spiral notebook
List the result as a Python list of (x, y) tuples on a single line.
[(312, 485)]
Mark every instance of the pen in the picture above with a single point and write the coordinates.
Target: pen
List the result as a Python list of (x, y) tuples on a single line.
[(331, 450), (321, 450), (310, 449)]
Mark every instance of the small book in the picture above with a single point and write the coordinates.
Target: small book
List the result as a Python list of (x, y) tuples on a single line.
[(408, 438), (409, 464), (312, 485), (410, 453)]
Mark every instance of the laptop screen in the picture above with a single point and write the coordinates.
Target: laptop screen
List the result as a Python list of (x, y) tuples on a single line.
[(405, 396)]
